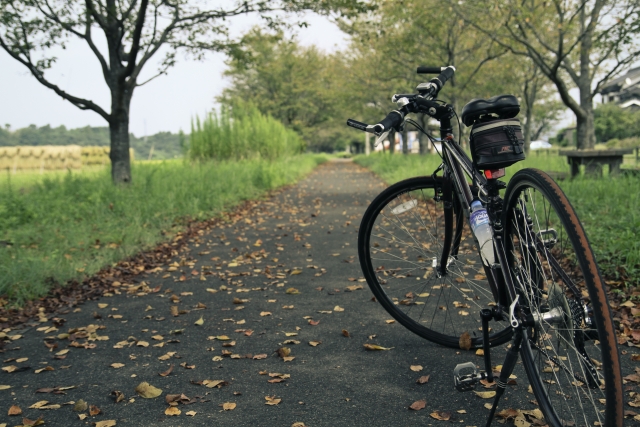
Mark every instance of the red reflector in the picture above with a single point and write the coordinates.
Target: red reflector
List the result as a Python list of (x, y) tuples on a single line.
[(494, 173)]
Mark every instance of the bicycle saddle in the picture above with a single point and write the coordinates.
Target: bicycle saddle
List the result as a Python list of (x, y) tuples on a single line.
[(505, 106)]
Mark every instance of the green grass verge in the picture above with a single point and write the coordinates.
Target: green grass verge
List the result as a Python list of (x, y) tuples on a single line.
[(66, 227), (609, 207)]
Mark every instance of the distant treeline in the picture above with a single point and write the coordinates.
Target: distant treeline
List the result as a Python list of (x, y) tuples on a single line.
[(166, 145)]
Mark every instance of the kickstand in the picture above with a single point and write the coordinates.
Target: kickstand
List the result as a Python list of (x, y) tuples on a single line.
[(507, 368)]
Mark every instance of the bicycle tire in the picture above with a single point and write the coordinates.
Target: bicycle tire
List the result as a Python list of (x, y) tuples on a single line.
[(418, 197), (570, 356)]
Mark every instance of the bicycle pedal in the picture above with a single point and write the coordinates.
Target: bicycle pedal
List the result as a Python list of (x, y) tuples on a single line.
[(466, 381)]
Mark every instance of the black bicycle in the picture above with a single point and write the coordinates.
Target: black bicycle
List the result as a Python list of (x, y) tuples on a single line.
[(536, 280)]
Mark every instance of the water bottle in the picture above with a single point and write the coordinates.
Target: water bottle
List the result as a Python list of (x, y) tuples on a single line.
[(482, 230)]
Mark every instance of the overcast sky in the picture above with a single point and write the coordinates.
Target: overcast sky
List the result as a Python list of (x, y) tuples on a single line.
[(165, 104)]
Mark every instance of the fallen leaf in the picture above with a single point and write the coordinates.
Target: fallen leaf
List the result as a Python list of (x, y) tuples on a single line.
[(284, 351), (80, 406), (292, 291), (465, 341), (117, 365), (172, 411), (228, 406), (485, 394), (390, 321), (418, 405), (296, 272), (39, 404), (147, 391), (191, 413), (27, 422), (416, 368), (346, 333), (118, 395), (376, 347), (423, 380), (167, 372), (271, 400), (94, 410), (338, 308), (14, 410), (441, 415), (265, 313), (106, 423), (259, 356), (199, 322), (315, 343)]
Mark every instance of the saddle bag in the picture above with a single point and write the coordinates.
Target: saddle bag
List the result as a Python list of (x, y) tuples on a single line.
[(496, 144)]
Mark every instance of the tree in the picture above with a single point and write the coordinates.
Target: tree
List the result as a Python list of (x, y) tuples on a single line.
[(581, 43), (134, 31)]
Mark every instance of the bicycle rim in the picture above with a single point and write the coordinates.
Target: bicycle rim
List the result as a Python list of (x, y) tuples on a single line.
[(571, 355)]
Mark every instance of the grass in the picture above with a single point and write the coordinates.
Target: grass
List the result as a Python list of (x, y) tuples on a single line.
[(609, 207), (241, 133), (63, 227)]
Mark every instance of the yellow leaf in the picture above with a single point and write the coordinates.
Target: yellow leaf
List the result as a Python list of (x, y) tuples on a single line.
[(172, 411), (103, 305), (265, 313), (222, 338), (106, 423), (296, 272), (191, 413), (485, 394), (199, 322), (148, 391), (338, 308), (39, 404), (315, 343), (375, 347), (232, 264), (390, 321), (117, 365), (292, 291), (4, 387), (416, 368), (228, 406), (291, 334)]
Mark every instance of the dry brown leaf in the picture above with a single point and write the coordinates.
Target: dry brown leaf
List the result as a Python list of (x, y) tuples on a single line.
[(416, 368), (94, 410), (28, 423), (118, 396), (167, 372), (284, 351), (346, 333), (265, 313), (172, 411), (508, 413), (146, 390), (271, 400), (259, 356), (228, 406), (191, 413), (465, 341), (315, 343), (338, 308), (106, 423), (14, 410), (418, 405), (376, 347), (423, 380), (288, 359), (390, 321), (441, 415), (292, 291), (117, 365), (39, 404)]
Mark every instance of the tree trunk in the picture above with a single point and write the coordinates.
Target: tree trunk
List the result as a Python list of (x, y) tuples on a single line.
[(405, 140), (585, 129), (119, 130), (392, 141), (422, 138)]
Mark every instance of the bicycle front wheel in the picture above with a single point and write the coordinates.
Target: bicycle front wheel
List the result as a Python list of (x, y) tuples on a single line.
[(571, 355), (400, 244)]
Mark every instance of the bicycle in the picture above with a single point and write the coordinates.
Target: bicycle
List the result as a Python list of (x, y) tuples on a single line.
[(538, 281)]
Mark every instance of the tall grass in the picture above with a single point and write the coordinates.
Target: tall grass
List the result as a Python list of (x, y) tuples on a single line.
[(67, 227), (241, 133), (608, 207)]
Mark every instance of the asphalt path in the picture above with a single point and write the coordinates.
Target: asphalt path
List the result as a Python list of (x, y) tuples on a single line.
[(285, 275)]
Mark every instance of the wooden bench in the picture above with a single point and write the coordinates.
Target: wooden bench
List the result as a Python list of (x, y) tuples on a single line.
[(594, 159)]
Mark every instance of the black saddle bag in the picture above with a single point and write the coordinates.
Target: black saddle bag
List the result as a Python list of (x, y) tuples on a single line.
[(496, 144)]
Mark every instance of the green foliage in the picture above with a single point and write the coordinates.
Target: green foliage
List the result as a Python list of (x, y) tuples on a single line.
[(623, 143), (612, 121), (301, 87), (608, 208), (242, 132), (51, 242), (166, 145)]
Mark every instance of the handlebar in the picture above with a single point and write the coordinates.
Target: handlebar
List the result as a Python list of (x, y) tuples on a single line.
[(413, 103)]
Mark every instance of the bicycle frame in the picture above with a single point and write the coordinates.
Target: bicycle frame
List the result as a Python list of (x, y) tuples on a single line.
[(457, 166)]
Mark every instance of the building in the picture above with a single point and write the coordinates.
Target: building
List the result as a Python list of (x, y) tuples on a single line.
[(624, 90)]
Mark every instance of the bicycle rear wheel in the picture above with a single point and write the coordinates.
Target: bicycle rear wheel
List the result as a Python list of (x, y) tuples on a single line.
[(571, 355), (400, 245)]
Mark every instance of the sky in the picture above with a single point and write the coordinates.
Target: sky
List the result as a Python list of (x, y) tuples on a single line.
[(167, 103)]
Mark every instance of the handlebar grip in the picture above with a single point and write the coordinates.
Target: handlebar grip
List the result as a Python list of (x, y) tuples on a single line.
[(356, 124), (429, 70), (446, 74), (393, 120)]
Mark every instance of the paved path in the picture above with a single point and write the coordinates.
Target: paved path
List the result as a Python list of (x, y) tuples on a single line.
[(303, 238)]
